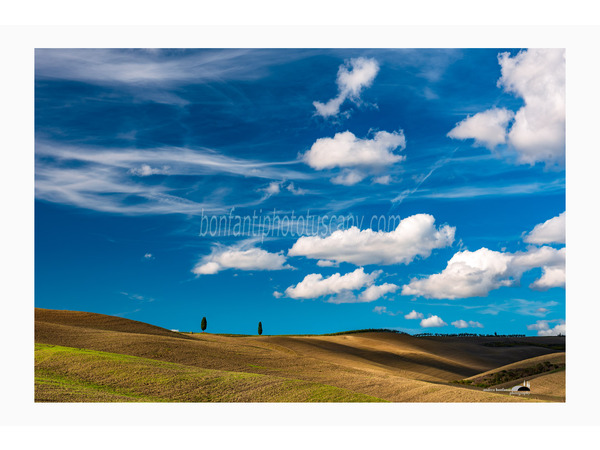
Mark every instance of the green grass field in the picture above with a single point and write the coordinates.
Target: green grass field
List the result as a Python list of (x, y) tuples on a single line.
[(79, 375)]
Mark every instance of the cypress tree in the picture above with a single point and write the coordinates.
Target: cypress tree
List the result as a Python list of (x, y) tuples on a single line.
[(259, 328), (203, 324)]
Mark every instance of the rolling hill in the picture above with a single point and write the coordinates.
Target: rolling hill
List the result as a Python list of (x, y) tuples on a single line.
[(93, 357)]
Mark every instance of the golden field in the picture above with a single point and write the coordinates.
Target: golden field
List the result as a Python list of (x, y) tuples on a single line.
[(87, 357)]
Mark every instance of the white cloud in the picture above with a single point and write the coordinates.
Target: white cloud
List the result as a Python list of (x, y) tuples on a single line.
[(489, 191), (145, 170), (348, 177), (277, 294), (352, 78), (534, 308), (543, 327), (433, 321), (460, 324), (475, 274), (346, 150), (551, 277), (223, 258), (551, 231), (464, 324), (294, 190), (414, 315), (155, 75), (488, 128), (148, 256), (358, 157), (520, 306), (538, 77), (99, 171), (138, 298), (326, 263), (384, 179), (384, 310), (537, 133), (414, 236), (314, 285), (273, 188), (551, 261), (374, 292)]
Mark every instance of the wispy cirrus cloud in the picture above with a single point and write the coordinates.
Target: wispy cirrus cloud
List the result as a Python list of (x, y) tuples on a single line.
[(154, 75), (135, 66), (171, 160), (138, 298), (491, 190), (522, 307), (123, 180)]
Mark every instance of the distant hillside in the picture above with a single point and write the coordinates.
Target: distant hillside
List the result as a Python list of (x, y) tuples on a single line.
[(380, 365), (98, 322)]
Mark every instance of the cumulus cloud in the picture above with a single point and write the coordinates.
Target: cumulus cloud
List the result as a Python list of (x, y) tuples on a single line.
[(273, 188), (433, 321), (551, 261), (357, 157), (145, 170), (384, 179), (353, 76), (414, 236), (326, 263), (538, 77), (380, 310), (549, 232), (277, 294), (315, 285), (551, 277), (223, 258), (348, 177), (544, 328), (488, 128), (384, 310), (464, 324), (375, 292), (475, 274), (536, 132), (414, 315), (294, 190)]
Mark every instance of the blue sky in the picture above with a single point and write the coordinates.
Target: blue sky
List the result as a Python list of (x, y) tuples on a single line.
[(464, 148)]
